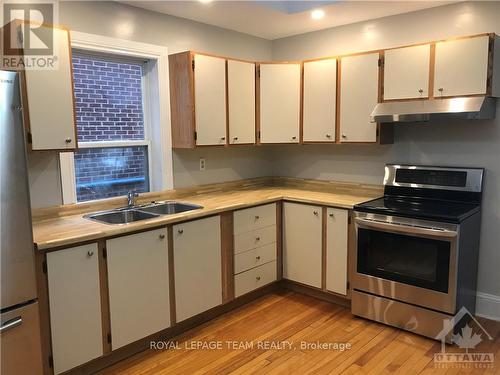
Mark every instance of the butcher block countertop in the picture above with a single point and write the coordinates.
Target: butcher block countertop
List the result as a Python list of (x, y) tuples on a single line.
[(65, 225)]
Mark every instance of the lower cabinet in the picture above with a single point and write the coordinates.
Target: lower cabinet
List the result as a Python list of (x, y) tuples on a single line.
[(302, 243), (198, 266), (75, 306), (254, 278), (336, 250), (138, 284)]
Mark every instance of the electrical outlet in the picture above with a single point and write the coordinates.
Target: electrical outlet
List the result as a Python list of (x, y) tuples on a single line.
[(202, 164)]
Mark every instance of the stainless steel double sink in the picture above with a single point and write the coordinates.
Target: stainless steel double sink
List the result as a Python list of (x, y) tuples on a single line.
[(128, 215)]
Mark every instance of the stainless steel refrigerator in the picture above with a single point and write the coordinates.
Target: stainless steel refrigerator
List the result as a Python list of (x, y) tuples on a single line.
[(20, 328)]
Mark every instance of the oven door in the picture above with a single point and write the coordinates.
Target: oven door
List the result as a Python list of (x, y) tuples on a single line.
[(408, 260)]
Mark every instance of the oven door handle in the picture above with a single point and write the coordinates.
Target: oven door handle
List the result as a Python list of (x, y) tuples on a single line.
[(403, 228)]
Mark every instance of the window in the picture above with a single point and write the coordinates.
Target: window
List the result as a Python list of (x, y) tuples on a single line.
[(114, 149)]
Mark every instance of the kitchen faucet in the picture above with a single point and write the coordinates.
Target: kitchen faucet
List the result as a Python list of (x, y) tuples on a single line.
[(131, 195)]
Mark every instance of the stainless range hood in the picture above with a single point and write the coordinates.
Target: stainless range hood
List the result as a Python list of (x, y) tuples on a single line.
[(472, 108)]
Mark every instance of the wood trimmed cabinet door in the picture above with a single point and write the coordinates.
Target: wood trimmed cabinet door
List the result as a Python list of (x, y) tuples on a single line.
[(336, 250), (138, 286), (210, 100), (320, 96), (198, 266), (49, 102), (241, 102), (359, 86), (75, 306), (280, 91), (197, 100), (302, 243), (406, 72), (461, 67)]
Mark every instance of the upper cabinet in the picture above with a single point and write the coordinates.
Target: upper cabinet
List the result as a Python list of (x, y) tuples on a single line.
[(280, 92), (210, 100), (461, 67), (47, 94), (320, 96), (241, 101), (197, 100), (359, 92), (406, 72)]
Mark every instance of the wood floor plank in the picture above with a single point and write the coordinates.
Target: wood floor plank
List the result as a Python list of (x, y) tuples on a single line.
[(285, 316)]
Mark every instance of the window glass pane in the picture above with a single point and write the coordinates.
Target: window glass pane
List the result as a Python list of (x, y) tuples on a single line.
[(108, 96), (110, 172)]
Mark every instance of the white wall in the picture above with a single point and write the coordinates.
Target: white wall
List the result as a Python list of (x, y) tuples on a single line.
[(466, 143), (126, 22)]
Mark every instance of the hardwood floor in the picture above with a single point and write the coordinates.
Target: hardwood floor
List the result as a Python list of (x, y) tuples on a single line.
[(289, 318)]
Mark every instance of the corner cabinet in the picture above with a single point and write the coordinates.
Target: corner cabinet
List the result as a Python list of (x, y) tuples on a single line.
[(359, 93), (47, 94), (320, 101), (198, 266), (279, 102), (75, 306), (138, 275)]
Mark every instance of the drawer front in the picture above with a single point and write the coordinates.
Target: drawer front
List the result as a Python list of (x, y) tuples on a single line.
[(255, 238), (254, 218), (255, 278), (255, 257)]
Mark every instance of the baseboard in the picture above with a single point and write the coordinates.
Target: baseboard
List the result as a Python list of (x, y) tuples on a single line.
[(488, 306)]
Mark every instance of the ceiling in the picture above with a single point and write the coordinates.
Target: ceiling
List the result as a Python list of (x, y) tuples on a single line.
[(278, 19)]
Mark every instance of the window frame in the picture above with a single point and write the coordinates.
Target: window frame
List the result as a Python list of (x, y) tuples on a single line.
[(156, 112)]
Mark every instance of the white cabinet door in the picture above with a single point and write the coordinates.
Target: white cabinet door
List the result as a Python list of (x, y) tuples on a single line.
[(210, 100), (51, 100), (302, 236), (279, 103), (138, 286), (320, 95), (336, 250), (359, 95), (197, 265), (241, 101), (461, 67), (406, 72), (75, 306)]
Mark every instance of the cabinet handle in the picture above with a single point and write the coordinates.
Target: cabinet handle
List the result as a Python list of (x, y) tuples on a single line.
[(257, 257), (161, 236), (421, 91), (294, 137), (223, 138), (90, 253), (315, 213), (344, 135), (441, 90), (257, 238), (235, 138), (328, 136), (257, 278), (257, 217), (180, 231), (68, 140), (332, 215)]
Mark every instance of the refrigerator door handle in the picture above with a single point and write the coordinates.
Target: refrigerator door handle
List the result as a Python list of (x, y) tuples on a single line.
[(12, 323)]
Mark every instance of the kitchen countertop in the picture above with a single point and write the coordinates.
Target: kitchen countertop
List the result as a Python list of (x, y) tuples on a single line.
[(64, 228)]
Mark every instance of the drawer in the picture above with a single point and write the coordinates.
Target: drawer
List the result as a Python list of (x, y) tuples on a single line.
[(254, 218), (255, 257), (255, 238), (255, 278)]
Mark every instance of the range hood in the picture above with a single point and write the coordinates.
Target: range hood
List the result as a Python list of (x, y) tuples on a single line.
[(472, 108)]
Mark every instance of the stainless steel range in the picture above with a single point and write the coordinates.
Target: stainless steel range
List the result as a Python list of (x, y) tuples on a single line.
[(416, 253)]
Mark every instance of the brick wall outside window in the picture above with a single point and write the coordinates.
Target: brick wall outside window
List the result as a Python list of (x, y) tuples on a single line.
[(108, 99), (109, 108)]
